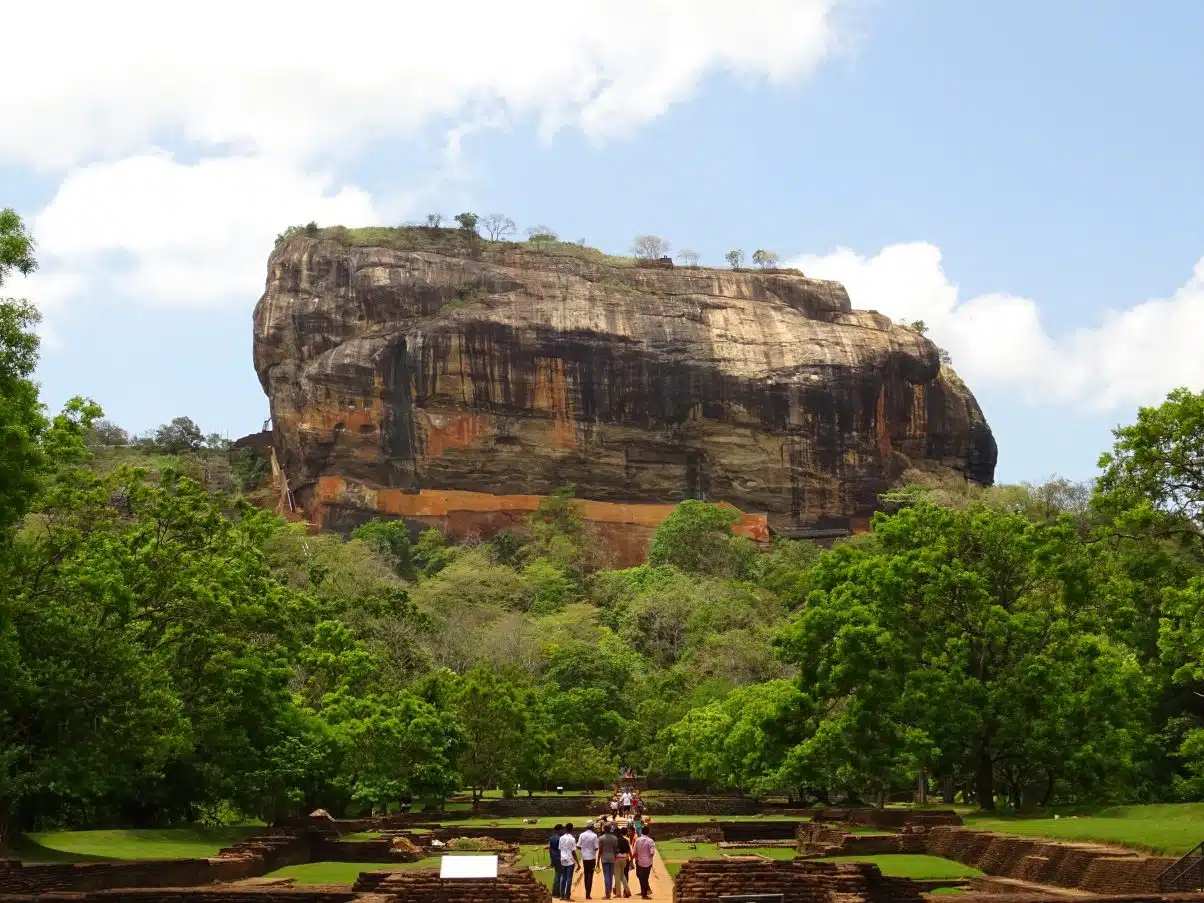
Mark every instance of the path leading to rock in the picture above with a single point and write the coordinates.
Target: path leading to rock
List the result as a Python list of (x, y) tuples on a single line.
[(660, 882)]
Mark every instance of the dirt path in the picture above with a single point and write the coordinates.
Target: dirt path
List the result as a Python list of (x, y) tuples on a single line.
[(660, 882)]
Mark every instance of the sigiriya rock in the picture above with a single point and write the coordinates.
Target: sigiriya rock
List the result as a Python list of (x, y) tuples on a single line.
[(453, 381)]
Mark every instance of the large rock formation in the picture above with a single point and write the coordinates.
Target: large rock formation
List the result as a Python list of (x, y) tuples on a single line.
[(458, 385)]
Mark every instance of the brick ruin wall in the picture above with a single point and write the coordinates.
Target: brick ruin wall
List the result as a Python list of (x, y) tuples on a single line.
[(519, 886), (800, 881), (249, 859), (191, 895), (886, 818), (1084, 867), (573, 806), (821, 840)]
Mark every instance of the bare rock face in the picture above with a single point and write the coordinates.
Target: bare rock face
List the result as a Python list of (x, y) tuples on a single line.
[(459, 386)]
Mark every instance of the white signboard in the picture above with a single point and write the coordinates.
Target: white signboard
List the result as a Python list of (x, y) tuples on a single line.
[(468, 867)]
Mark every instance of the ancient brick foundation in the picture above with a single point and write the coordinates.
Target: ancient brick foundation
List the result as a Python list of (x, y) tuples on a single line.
[(1085, 867), (427, 887), (821, 840), (887, 818), (251, 858), (192, 895), (800, 881)]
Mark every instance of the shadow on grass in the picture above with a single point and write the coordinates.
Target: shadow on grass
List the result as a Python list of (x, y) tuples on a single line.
[(30, 852)]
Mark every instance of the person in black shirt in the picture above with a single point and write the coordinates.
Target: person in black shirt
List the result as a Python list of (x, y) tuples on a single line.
[(554, 853)]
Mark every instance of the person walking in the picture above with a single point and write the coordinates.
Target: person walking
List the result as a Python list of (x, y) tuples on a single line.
[(608, 850), (625, 802), (554, 856), (568, 859), (645, 852), (587, 843), (622, 864)]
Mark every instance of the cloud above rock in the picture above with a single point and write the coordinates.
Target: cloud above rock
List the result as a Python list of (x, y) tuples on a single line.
[(303, 79), (1129, 357)]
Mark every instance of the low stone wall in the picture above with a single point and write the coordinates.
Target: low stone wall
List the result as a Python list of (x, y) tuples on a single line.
[(424, 886), (357, 851), (94, 876), (249, 859), (660, 830), (756, 830), (800, 881), (820, 840), (1086, 867), (555, 806), (887, 818), (193, 895), (986, 884)]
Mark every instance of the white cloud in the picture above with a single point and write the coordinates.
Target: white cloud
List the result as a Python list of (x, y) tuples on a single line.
[(1131, 357), (304, 79), (161, 232)]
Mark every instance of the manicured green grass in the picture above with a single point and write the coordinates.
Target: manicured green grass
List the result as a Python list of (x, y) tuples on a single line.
[(947, 890), (333, 872), (362, 835), (347, 872), (152, 843), (537, 855), (1167, 828), (676, 850), (903, 865)]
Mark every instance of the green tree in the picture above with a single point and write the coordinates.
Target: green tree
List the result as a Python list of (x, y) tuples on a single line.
[(23, 421), (493, 715), (468, 222), (962, 640), (735, 258), (179, 436), (765, 259), (192, 589), (16, 246), (739, 742), (1154, 476), (392, 539), (697, 537), (395, 745)]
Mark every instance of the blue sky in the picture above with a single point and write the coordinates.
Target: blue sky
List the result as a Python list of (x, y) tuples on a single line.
[(1026, 177)]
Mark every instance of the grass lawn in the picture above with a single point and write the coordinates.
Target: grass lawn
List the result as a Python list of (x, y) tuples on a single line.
[(347, 872), (335, 872), (675, 852), (904, 865), (537, 855), (1167, 828), (151, 843)]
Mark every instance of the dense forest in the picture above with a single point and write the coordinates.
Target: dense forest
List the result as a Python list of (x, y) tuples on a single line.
[(171, 651)]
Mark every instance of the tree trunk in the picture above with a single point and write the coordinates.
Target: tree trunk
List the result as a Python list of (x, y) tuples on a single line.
[(984, 780), (948, 791), (6, 832), (922, 787), (1049, 790)]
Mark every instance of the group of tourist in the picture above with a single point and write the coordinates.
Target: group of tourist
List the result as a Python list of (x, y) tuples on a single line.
[(626, 801), (615, 849)]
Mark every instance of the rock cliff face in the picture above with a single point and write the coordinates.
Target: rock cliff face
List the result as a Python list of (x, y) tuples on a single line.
[(457, 386)]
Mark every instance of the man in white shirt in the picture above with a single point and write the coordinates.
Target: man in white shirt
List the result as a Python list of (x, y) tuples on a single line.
[(568, 859), (625, 802), (587, 843)]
